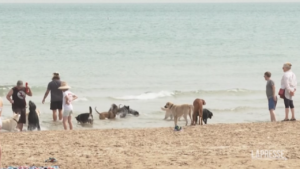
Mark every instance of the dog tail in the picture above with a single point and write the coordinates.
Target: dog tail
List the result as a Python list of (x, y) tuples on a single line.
[(204, 103), (91, 111), (96, 110)]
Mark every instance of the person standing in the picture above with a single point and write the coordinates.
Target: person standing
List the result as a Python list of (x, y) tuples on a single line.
[(68, 97), (18, 101), (289, 84), (56, 96), (272, 98)]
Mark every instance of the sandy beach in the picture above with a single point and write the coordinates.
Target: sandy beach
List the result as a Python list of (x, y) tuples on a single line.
[(210, 146)]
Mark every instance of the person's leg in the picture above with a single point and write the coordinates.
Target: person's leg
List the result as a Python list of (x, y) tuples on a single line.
[(70, 122), (286, 104), (54, 115), (272, 115), (60, 114), (292, 109), (65, 119)]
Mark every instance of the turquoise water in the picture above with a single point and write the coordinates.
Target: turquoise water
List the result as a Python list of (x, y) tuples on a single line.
[(144, 55)]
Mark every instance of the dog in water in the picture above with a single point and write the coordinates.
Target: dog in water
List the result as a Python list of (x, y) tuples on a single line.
[(11, 124), (33, 118), (179, 110), (127, 110), (198, 111), (206, 114), (110, 114), (85, 117)]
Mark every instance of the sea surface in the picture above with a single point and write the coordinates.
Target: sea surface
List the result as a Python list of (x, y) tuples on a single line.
[(144, 55)]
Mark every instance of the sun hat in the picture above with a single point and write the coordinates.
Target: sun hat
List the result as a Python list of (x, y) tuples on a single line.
[(63, 86)]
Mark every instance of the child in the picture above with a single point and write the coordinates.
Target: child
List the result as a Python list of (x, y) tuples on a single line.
[(270, 92), (68, 97)]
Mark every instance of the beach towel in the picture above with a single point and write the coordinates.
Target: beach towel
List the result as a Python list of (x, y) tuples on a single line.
[(32, 167)]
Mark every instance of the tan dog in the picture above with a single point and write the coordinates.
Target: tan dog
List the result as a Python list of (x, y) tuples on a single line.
[(111, 114), (179, 110), (198, 111), (11, 124), (168, 113)]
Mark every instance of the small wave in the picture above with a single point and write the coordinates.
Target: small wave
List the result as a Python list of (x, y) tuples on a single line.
[(146, 96), (237, 109), (236, 91)]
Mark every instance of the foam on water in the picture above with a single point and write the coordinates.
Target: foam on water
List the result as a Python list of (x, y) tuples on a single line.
[(146, 96)]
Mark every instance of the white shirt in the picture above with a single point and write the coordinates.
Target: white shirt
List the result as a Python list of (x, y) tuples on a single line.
[(289, 83), (68, 106)]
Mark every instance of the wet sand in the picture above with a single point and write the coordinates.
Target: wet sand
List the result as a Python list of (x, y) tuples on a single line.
[(209, 146)]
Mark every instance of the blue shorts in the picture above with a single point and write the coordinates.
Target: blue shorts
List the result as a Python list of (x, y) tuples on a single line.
[(272, 104)]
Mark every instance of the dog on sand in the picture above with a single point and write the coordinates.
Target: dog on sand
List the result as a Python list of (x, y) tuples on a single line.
[(11, 124), (85, 117), (33, 118), (110, 114), (179, 110), (198, 111)]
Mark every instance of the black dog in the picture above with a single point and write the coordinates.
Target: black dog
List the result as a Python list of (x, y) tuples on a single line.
[(206, 114), (85, 117), (33, 118)]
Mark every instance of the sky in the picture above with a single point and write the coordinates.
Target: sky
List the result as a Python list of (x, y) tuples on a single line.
[(141, 1)]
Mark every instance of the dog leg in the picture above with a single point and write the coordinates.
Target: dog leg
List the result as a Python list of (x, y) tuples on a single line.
[(201, 114), (186, 121), (175, 120), (38, 127)]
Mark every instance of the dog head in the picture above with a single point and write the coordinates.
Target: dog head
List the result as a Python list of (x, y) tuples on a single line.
[(210, 114), (124, 109), (114, 109), (169, 105), (32, 106), (133, 112)]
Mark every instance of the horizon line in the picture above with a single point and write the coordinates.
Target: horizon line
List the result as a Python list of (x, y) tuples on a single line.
[(145, 2)]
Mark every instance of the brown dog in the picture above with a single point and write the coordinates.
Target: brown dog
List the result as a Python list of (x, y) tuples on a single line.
[(198, 111), (111, 114)]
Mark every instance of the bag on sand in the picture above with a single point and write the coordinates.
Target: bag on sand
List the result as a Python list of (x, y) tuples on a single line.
[(281, 93)]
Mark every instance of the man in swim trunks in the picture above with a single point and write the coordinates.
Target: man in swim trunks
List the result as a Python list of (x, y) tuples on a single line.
[(18, 94)]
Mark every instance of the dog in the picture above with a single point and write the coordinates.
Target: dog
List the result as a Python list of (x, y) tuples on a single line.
[(11, 124), (169, 114), (33, 118), (198, 111), (85, 117), (127, 110), (110, 114), (206, 114), (179, 110)]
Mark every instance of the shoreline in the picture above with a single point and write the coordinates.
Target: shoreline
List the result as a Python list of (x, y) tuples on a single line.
[(208, 146)]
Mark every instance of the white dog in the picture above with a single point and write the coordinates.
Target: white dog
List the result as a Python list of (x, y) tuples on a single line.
[(11, 124)]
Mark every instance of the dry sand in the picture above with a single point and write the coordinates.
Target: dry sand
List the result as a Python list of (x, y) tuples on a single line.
[(210, 146)]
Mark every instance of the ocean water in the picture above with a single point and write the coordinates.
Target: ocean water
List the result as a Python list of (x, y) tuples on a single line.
[(145, 55)]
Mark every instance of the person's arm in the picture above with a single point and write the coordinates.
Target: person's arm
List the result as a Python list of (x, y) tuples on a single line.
[(75, 97), (8, 96), (286, 83), (274, 92), (29, 92), (46, 95)]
